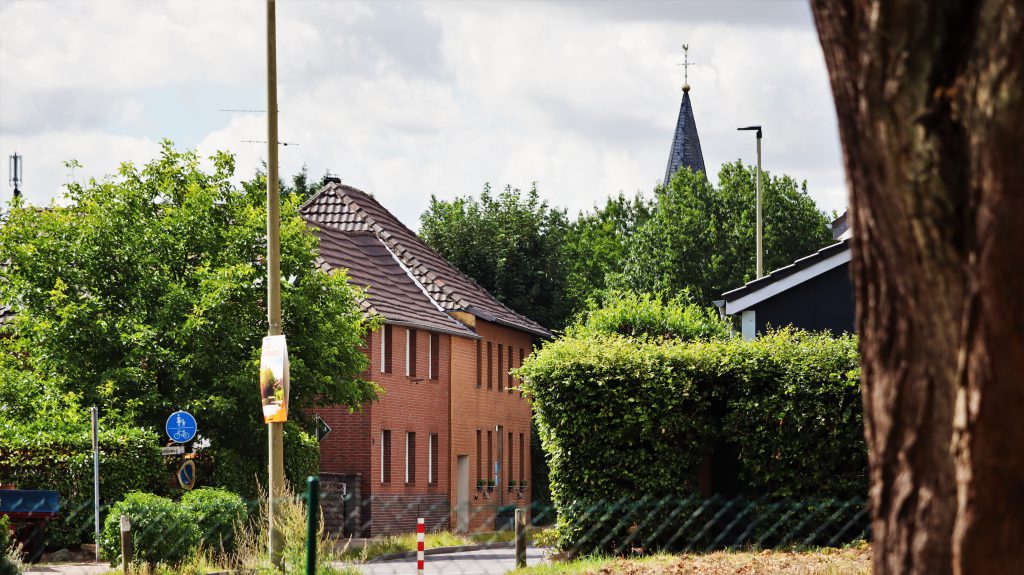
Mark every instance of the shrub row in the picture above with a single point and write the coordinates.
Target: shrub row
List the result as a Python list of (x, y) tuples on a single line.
[(56, 454), (620, 417), (167, 531)]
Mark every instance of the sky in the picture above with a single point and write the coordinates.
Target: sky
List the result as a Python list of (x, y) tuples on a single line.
[(412, 99)]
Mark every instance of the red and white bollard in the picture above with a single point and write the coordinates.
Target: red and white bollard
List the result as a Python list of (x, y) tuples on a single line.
[(419, 546)]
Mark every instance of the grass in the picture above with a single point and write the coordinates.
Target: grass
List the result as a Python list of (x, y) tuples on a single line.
[(847, 561)]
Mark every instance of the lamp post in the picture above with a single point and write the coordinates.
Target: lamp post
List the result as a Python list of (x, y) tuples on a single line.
[(760, 269)]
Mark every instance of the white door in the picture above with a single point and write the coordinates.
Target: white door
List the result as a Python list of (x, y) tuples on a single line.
[(462, 496)]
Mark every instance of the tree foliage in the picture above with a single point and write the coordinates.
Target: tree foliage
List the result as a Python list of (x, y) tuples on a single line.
[(145, 294), (512, 244), (701, 238), (597, 245)]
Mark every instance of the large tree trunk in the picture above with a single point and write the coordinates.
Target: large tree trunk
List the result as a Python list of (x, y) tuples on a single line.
[(930, 99)]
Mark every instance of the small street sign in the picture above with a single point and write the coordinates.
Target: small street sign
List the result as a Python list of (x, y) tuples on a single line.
[(187, 474), (181, 427), (322, 429), (173, 450)]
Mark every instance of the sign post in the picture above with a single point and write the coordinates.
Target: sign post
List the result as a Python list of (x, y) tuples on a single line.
[(322, 429), (95, 412)]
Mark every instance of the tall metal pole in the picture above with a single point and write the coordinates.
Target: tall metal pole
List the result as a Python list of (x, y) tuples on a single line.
[(95, 413), (760, 251), (275, 438)]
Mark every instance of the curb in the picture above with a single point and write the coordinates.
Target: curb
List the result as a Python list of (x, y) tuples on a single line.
[(443, 550)]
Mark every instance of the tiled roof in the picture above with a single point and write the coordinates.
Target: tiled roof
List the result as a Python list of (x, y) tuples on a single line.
[(393, 294), (685, 143), (350, 211)]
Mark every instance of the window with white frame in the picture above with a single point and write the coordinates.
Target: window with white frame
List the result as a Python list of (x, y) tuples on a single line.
[(410, 352)]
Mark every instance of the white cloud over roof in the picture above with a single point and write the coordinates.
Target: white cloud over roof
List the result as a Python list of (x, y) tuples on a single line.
[(411, 99)]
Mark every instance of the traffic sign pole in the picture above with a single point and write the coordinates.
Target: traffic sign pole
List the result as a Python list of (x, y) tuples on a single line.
[(95, 412)]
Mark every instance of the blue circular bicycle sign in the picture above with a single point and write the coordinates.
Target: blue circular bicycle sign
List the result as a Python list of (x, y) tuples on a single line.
[(181, 427)]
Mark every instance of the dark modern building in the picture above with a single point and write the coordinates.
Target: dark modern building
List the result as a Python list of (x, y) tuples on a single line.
[(813, 293)]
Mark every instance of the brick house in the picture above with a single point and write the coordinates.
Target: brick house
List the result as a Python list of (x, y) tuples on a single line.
[(450, 415)]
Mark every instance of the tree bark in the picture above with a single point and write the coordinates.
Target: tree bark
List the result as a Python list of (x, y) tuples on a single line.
[(930, 100)]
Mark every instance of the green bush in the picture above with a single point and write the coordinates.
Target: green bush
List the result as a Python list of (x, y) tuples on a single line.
[(617, 418), (626, 421), (56, 453), (795, 415), (162, 530), (643, 316), (8, 556), (302, 457), (217, 513)]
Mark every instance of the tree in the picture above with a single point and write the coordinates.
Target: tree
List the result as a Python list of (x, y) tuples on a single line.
[(146, 295), (701, 239), (512, 244), (930, 100), (597, 243)]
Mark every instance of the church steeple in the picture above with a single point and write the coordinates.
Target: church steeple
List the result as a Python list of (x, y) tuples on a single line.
[(685, 143)]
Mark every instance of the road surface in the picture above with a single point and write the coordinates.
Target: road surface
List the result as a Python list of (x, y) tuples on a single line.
[(482, 562)]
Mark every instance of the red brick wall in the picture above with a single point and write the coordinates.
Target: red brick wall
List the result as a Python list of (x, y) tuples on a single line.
[(474, 408), (452, 407), (408, 403)]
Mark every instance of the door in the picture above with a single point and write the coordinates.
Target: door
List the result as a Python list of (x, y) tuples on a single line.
[(462, 496)]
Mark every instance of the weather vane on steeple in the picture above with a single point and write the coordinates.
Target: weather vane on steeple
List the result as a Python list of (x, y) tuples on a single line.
[(686, 67)]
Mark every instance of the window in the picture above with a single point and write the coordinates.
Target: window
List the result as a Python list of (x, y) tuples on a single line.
[(490, 455), (435, 356), (522, 462), (432, 459), (385, 456), (511, 384), (479, 466), (501, 367), (385, 349), (479, 371), (410, 457), (521, 365), (410, 352), (508, 474), (490, 366)]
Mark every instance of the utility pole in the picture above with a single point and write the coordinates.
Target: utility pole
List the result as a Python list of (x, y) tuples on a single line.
[(760, 251), (275, 430)]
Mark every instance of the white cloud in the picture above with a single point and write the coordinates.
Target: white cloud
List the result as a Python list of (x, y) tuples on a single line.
[(412, 99)]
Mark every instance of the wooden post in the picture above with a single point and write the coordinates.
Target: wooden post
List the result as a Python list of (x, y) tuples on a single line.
[(127, 551), (520, 538)]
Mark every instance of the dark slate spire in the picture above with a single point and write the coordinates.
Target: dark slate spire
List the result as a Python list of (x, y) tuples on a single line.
[(685, 143)]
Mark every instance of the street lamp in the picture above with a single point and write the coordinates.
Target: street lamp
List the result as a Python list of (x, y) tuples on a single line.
[(760, 270)]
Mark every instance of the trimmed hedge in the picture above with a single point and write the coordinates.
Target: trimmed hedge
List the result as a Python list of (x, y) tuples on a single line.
[(57, 454), (625, 419), (795, 414)]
